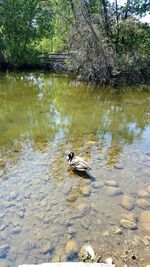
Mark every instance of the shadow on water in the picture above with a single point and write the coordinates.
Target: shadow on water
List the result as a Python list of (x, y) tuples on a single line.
[(85, 175)]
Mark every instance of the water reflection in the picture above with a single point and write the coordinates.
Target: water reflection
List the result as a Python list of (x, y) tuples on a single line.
[(48, 107)]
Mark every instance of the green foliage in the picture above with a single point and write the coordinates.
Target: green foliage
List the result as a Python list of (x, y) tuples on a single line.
[(133, 45), (98, 33), (45, 46), (23, 22)]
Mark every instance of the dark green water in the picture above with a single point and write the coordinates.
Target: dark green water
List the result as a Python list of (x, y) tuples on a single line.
[(43, 117)]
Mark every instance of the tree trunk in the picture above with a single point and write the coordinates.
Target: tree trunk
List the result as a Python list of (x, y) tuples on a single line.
[(105, 15), (2, 61), (127, 9), (117, 26)]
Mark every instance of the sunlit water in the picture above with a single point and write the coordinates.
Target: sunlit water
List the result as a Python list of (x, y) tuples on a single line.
[(42, 206)]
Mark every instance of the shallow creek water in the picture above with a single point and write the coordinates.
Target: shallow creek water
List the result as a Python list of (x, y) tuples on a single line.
[(43, 204)]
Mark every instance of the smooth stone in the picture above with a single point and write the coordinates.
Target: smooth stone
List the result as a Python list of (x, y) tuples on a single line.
[(145, 220), (106, 233), (16, 230), (130, 217), (3, 236), (16, 223), (27, 195), (81, 207), (111, 183), (143, 193), (47, 248), (46, 178), (145, 241), (54, 202), (113, 191), (43, 203), (84, 190), (147, 237), (137, 239), (118, 166), (86, 252), (97, 184), (143, 203), (47, 220), (85, 223), (148, 188), (72, 197), (71, 247), (20, 214), (58, 255), (4, 249), (67, 189), (109, 261), (40, 217), (128, 202), (3, 227), (116, 230), (128, 224)]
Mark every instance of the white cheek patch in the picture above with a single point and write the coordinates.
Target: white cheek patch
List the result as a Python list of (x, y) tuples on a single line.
[(67, 157)]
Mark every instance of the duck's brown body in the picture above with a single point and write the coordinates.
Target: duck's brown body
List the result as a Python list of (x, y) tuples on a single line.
[(78, 163)]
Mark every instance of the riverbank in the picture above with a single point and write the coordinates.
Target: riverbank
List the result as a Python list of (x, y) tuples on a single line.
[(59, 63)]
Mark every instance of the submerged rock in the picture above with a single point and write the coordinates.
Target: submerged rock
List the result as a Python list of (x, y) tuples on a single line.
[(4, 249), (97, 184), (143, 203), (111, 183), (128, 202), (128, 224), (143, 193), (20, 214), (84, 190), (148, 188), (130, 217), (59, 256), (72, 197), (47, 248), (116, 230), (113, 191), (82, 207), (118, 166), (16, 230), (40, 216), (86, 253), (145, 220), (71, 247)]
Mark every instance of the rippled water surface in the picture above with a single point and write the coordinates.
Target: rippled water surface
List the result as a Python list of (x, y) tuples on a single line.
[(43, 204)]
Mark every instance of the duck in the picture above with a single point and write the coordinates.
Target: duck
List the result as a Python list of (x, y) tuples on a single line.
[(78, 163)]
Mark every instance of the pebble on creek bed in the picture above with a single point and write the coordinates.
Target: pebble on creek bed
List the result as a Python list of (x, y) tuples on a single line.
[(128, 202)]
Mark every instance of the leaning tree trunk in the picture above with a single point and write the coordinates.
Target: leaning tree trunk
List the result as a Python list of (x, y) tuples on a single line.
[(2, 61)]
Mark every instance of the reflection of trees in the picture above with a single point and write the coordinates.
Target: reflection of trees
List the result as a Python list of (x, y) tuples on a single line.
[(48, 107)]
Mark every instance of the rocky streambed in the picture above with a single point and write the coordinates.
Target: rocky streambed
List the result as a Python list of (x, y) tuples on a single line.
[(48, 215), (47, 212)]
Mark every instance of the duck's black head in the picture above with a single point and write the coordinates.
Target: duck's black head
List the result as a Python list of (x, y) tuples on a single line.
[(70, 156)]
